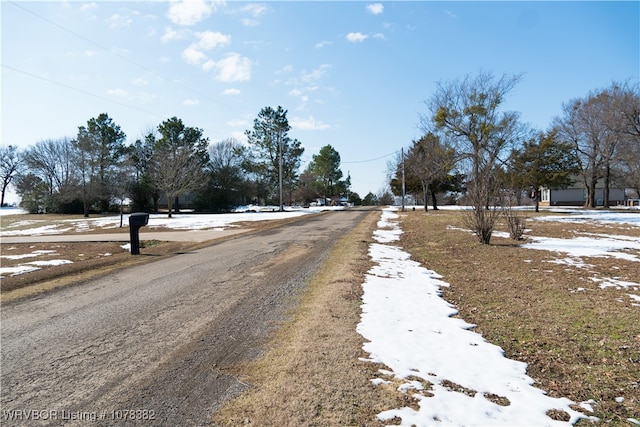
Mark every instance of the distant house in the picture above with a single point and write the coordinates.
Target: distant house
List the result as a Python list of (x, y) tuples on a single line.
[(183, 201), (576, 195)]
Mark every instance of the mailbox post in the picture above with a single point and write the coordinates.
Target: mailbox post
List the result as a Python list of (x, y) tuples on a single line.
[(136, 220)]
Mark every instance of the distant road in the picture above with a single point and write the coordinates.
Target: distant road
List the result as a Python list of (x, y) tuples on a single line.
[(158, 339)]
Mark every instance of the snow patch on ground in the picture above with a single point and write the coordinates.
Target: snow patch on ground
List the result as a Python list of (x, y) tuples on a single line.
[(410, 329)]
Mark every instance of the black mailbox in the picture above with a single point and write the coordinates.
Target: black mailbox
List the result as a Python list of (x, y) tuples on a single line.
[(136, 220)]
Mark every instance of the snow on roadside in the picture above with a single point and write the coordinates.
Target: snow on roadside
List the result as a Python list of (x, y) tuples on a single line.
[(28, 267), (182, 221), (410, 329)]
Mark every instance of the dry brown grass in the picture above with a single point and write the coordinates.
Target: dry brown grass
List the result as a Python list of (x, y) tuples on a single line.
[(312, 374), (581, 344)]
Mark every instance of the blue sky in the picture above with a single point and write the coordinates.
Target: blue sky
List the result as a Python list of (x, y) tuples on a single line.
[(352, 74)]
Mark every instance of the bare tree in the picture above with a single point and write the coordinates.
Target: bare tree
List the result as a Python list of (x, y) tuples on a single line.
[(226, 182), (604, 129), (467, 114), (625, 123), (52, 161), (10, 165)]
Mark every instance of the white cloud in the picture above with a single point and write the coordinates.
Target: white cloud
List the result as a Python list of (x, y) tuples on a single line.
[(375, 8), (379, 36), (208, 40), (295, 92), (248, 22), (190, 12), (285, 70), (209, 65), (308, 124), (450, 13), (239, 136), (120, 93), (90, 53), (233, 68), (193, 56), (316, 74), (231, 92), (190, 102), (323, 43), (356, 37), (140, 81), (88, 9), (171, 34), (237, 123), (119, 21), (255, 9)]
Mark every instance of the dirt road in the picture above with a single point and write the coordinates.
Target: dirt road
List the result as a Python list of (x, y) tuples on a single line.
[(156, 344)]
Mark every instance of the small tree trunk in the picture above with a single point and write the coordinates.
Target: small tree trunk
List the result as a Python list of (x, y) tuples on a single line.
[(156, 198), (425, 190), (434, 200), (169, 206), (606, 187), (85, 207), (591, 193)]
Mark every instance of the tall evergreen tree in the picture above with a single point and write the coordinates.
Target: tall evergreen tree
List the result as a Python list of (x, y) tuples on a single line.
[(179, 159), (325, 168), (99, 148), (270, 144)]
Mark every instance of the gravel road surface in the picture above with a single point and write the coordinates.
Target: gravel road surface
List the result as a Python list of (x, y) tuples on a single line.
[(156, 344)]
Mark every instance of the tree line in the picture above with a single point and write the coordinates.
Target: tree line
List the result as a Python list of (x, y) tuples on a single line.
[(97, 172), (472, 147)]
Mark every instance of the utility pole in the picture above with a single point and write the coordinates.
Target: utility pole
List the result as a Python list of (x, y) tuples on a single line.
[(280, 167), (403, 186), (349, 188)]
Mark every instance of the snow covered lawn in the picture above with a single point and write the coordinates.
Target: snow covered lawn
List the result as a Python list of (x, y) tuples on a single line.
[(455, 375)]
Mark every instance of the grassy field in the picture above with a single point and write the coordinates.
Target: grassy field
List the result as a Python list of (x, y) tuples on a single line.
[(580, 341)]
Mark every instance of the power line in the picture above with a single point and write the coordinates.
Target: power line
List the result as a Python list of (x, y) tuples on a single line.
[(124, 58), (373, 160), (78, 90)]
